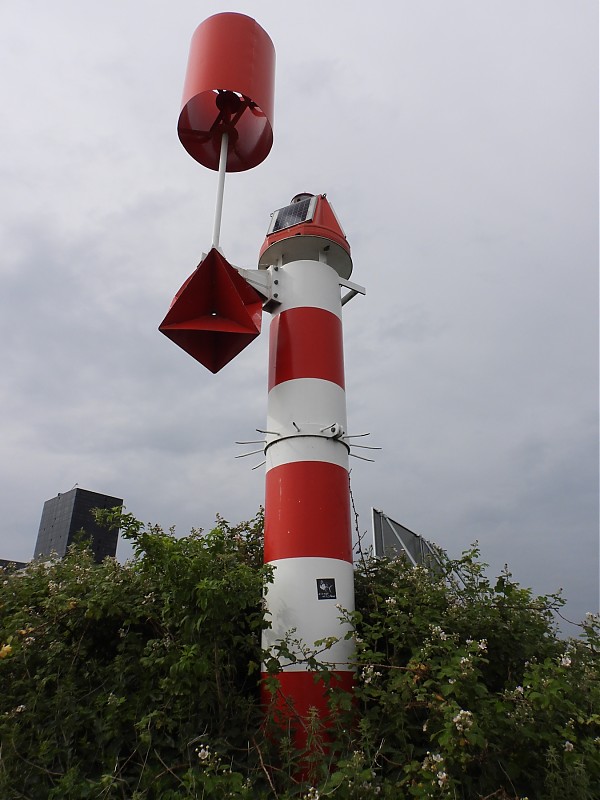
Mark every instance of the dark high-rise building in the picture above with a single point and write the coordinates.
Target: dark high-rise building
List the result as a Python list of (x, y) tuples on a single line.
[(64, 516)]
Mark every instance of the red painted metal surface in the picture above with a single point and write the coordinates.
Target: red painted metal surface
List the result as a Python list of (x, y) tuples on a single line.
[(308, 531), (323, 224), (215, 314), (229, 87), (306, 343), (297, 693), (307, 511)]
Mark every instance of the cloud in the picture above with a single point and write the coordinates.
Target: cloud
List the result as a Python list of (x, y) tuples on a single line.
[(458, 146)]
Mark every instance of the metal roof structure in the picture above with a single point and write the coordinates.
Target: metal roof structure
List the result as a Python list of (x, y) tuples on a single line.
[(390, 539)]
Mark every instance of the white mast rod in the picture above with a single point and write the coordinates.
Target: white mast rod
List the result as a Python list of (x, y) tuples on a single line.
[(220, 189)]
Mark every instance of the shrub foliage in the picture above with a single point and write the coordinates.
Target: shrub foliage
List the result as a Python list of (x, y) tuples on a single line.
[(141, 680)]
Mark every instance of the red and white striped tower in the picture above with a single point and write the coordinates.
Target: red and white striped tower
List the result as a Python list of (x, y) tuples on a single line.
[(308, 536), (226, 125)]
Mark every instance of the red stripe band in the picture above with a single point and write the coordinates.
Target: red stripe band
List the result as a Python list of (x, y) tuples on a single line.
[(297, 692), (306, 343), (307, 511)]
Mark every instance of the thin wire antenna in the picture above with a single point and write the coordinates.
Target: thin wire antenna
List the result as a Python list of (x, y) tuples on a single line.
[(253, 441), (251, 453), (362, 458), (262, 463), (367, 447)]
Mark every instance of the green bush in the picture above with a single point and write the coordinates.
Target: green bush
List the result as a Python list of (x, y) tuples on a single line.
[(141, 681)]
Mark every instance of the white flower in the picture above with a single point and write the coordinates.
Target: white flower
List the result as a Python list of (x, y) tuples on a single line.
[(437, 631), (466, 664), (203, 752), (568, 746), (19, 709), (463, 720), (313, 794), (518, 690), (433, 761), (368, 673), (442, 778), (482, 645), (565, 661)]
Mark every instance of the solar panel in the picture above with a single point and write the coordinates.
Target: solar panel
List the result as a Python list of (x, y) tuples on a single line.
[(294, 214)]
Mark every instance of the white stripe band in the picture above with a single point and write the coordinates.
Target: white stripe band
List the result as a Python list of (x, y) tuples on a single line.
[(312, 404), (301, 604), (308, 284), (304, 448)]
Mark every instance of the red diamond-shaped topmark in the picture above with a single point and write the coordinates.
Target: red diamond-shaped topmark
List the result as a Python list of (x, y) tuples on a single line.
[(215, 314)]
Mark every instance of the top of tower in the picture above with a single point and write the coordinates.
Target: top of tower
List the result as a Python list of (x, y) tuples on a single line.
[(306, 229)]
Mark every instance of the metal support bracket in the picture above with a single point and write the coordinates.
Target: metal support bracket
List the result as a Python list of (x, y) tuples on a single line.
[(354, 290), (262, 281), (332, 431)]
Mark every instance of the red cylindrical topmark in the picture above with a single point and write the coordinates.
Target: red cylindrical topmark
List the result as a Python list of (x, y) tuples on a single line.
[(229, 88)]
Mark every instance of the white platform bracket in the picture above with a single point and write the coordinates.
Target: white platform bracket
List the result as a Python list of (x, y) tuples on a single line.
[(354, 290)]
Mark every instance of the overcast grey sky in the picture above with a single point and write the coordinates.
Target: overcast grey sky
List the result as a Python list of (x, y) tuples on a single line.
[(458, 142)]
